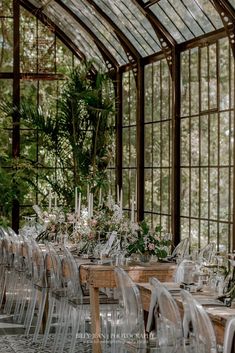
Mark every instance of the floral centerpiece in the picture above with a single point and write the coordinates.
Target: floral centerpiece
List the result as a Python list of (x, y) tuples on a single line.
[(90, 233), (148, 242)]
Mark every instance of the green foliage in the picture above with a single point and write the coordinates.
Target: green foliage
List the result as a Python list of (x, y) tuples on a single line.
[(147, 242), (79, 136), (65, 142)]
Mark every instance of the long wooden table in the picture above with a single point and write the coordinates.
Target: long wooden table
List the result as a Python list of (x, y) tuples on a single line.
[(218, 314), (102, 276)]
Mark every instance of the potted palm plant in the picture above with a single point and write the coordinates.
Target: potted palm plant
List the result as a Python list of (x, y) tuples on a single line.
[(79, 136)]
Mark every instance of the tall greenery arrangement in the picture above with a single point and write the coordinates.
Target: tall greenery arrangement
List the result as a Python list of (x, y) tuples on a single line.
[(77, 139), (79, 136)]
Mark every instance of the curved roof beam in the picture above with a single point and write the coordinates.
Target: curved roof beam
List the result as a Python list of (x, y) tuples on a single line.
[(132, 53), (150, 3), (60, 34), (227, 14), (167, 42), (110, 61)]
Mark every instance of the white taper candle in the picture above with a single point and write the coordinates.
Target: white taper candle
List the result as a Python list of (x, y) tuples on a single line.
[(76, 200)]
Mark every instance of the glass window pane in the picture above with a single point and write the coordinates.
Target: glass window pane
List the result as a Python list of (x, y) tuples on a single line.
[(213, 139), (165, 153), (64, 58), (46, 49), (224, 138), (204, 192), (224, 191), (194, 143), (223, 237), (184, 228), (157, 89), (148, 89), (156, 191), (185, 83), (212, 77), (204, 133), (185, 142), (194, 81), (6, 44), (204, 79), (156, 145), (129, 186), (194, 188), (224, 69), (213, 193), (148, 190), (149, 146), (165, 191), (6, 91), (28, 43), (194, 232), (185, 192), (129, 99)]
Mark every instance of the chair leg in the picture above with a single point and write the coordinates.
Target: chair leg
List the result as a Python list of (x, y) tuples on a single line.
[(52, 305), (31, 313), (40, 313), (60, 325)]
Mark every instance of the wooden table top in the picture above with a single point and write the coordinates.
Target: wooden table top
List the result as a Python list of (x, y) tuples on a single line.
[(218, 313), (103, 275)]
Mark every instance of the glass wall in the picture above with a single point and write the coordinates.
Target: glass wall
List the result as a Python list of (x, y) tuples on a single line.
[(129, 138), (43, 60), (158, 144), (207, 128)]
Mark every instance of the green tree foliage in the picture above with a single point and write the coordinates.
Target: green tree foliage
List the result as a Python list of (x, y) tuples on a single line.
[(79, 136)]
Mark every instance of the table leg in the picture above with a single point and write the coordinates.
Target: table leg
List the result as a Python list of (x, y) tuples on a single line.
[(95, 319)]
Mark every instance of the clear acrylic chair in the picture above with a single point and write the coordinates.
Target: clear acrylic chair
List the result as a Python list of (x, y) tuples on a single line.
[(156, 285), (3, 264), (20, 277), (185, 272), (57, 291), (12, 249), (169, 328), (129, 332), (197, 326), (205, 255), (26, 284), (181, 250), (229, 336), (39, 288)]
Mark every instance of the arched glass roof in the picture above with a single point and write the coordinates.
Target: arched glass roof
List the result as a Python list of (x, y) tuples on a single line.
[(187, 19), (98, 26), (133, 23), (117, 30), (71, 28), (74, 32)]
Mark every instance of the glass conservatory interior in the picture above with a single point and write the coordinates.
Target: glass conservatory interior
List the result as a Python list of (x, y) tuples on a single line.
[(117, 151), (172, 67)]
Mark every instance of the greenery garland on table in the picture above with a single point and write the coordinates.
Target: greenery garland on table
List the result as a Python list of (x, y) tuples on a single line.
[(149, 242)]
